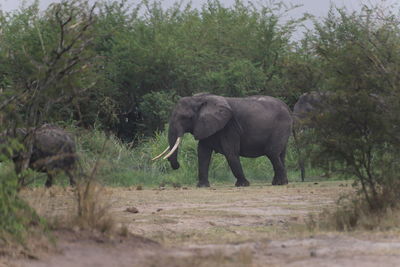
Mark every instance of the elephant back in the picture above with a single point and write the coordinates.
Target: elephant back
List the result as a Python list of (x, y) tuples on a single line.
[(53, 148)]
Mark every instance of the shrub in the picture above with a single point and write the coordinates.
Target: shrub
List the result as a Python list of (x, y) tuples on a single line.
[(360, 54), (92, 212), (17, 218), (352, 212)]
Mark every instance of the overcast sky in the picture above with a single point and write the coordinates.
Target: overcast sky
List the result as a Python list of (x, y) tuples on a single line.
[(315, 7), (318, 8)]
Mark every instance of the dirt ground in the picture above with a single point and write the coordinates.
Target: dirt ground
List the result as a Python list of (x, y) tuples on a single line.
[(220, 226)]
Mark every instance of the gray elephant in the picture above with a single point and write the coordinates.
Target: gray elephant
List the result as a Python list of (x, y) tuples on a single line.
[(52, 149), (307, 107), (305, 112), (249, 127), (312, 106)]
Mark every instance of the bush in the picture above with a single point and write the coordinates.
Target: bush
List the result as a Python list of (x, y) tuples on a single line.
[(17, 218), (352, 212), (360, 55), (92, 212)]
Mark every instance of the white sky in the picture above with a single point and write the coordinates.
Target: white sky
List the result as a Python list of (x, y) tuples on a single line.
[(315, 7)]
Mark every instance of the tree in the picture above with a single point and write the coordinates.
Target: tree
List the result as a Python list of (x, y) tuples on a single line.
[(360, 57), (49, 65)]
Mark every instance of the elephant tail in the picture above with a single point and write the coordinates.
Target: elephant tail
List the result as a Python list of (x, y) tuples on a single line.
[(299, 154)]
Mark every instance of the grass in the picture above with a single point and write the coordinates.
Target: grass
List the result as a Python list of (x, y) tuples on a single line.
[(92, 211), (352, 213), (124, 165)]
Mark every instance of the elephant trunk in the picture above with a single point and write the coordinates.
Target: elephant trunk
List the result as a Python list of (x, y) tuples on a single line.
[(174, 138)]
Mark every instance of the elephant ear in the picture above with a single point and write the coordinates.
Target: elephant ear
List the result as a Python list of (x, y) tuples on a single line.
[(214, 114)]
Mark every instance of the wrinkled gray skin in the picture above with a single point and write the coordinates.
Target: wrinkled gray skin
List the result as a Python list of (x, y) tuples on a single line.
[(248, 127), (306, 108), (53, 150)]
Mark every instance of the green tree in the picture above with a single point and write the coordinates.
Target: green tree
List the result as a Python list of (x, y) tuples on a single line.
[(46, 69), (47, 60), (360, 57)]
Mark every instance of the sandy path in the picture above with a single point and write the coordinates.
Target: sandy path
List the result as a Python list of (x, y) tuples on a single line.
[(221, 226)]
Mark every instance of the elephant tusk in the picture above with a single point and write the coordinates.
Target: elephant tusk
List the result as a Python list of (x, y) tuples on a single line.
[(162, 154), (178, 141)]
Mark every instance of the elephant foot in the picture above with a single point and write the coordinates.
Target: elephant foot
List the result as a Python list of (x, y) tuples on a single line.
[(279, 181), (243, 182), (48, 184), (203, 184)]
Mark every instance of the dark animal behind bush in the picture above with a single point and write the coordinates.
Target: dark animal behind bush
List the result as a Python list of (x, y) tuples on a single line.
[(47, 148)]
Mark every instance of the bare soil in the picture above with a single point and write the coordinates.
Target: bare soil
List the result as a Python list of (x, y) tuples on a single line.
[(220, 226)]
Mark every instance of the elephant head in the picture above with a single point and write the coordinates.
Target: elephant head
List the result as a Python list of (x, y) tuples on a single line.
[(201, 115), (309, 106)]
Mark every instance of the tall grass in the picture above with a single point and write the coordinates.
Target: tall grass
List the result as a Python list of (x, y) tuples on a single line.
[(123, 165)]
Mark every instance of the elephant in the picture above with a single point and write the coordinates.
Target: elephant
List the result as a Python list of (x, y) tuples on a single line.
[(52, 149), (249, 127), (308, 107), (312, 106)]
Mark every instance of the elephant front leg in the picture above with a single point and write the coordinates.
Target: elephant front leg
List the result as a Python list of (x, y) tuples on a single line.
[(237, 170), (204, 158)]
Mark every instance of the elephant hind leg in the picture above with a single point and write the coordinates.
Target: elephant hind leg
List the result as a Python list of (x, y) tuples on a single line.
[(282, 157), (302, 169), (49, 181), (71, 178), (236, 167)]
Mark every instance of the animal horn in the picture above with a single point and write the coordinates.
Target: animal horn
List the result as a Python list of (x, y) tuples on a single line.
[(178, 141), (162, 154)]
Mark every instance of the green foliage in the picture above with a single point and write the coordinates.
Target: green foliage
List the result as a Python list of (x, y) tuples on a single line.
[(130, 56), (127, 54), (46, 60), (360, 55), (156, 107), (16, 216)]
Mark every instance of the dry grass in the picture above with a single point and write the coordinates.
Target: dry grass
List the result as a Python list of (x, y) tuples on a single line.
[(84, 207), (92, 209), (352, 212), (80, 209)]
